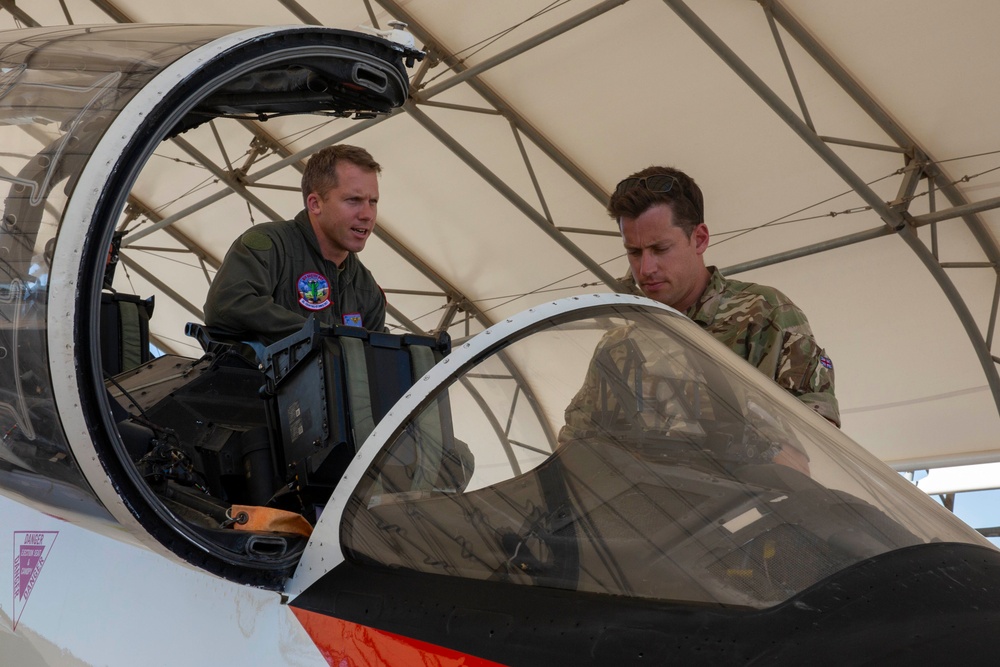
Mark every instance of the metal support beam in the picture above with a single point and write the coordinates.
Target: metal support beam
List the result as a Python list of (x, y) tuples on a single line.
[(993, 315), (231, 181), (591, 232), (786, 61), (163, 287), (398, 315), (542, 37), (958, 211), (862, 144), (162, 344), (290, 159), (179, 236), (895, 131), (912, 174), (452, 293), (448, 317), (891, 217), (948, 500), (508, 193), (534, 177), (840, 242), (300, 12), (805, 251), (17, 13), (112, 11), (591, 186)]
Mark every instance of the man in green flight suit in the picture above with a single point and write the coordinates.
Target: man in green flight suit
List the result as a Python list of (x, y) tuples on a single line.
[(278, 274)]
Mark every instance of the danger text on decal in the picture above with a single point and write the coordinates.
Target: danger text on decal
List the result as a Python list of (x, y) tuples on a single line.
[(31, 549)]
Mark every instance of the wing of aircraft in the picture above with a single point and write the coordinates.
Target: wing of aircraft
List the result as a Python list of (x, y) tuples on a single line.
[(593, 480)]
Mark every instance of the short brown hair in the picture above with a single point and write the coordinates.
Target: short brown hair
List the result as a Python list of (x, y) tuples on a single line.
[(685, 198), (320, 174)]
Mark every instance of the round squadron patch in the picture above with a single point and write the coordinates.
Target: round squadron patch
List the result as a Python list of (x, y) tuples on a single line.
[(314, 291)]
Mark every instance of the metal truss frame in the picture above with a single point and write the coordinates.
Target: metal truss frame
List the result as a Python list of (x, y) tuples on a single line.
[(919, 164)]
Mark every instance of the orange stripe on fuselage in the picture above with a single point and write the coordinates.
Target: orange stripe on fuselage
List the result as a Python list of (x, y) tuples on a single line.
[(345, 644)]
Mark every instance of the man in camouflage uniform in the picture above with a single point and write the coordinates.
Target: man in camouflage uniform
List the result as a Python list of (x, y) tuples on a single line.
[(660, 212), (641, 378), (647, 387)]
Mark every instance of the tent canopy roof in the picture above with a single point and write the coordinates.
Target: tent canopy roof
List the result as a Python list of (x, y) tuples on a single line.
[(846, 165)]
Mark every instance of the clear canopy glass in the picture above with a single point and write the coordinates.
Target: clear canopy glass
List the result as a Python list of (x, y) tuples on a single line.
[(60, 90), (625, 452)]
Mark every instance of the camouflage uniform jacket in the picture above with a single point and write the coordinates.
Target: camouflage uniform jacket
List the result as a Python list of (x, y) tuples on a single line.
[(764, 327), (275, 276)]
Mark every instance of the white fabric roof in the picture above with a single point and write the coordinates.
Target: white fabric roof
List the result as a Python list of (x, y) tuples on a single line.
[(462, 222)]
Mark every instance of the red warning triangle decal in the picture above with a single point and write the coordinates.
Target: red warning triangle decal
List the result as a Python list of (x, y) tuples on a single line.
[(31, 550)]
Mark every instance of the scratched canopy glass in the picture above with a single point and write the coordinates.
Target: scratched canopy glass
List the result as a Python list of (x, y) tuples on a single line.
[(60, 90), (626, 452)]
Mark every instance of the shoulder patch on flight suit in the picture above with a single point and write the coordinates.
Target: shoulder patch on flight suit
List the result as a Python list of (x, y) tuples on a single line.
[(257, 241)]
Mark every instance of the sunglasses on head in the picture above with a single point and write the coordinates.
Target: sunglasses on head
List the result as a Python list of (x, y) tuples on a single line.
[(654, 183)]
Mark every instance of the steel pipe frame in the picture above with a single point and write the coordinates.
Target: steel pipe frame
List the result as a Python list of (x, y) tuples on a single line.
[(465, 75), (470, 75), (960, 206), (773, 9), (850, 239), (897, 221), (896, 132), (517, 121), (163, 287), (508, 193), (18, 13), (425, 36)]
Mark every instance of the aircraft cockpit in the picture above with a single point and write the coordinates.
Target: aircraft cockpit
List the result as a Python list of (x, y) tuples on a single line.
[(84, 109), (613, 449), (618, 451), (248, 447)]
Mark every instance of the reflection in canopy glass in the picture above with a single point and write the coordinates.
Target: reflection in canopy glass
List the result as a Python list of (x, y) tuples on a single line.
[(628, 457)]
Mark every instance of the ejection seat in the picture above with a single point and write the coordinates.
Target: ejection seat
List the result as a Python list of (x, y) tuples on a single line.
[(324, 389), (124, 327)]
